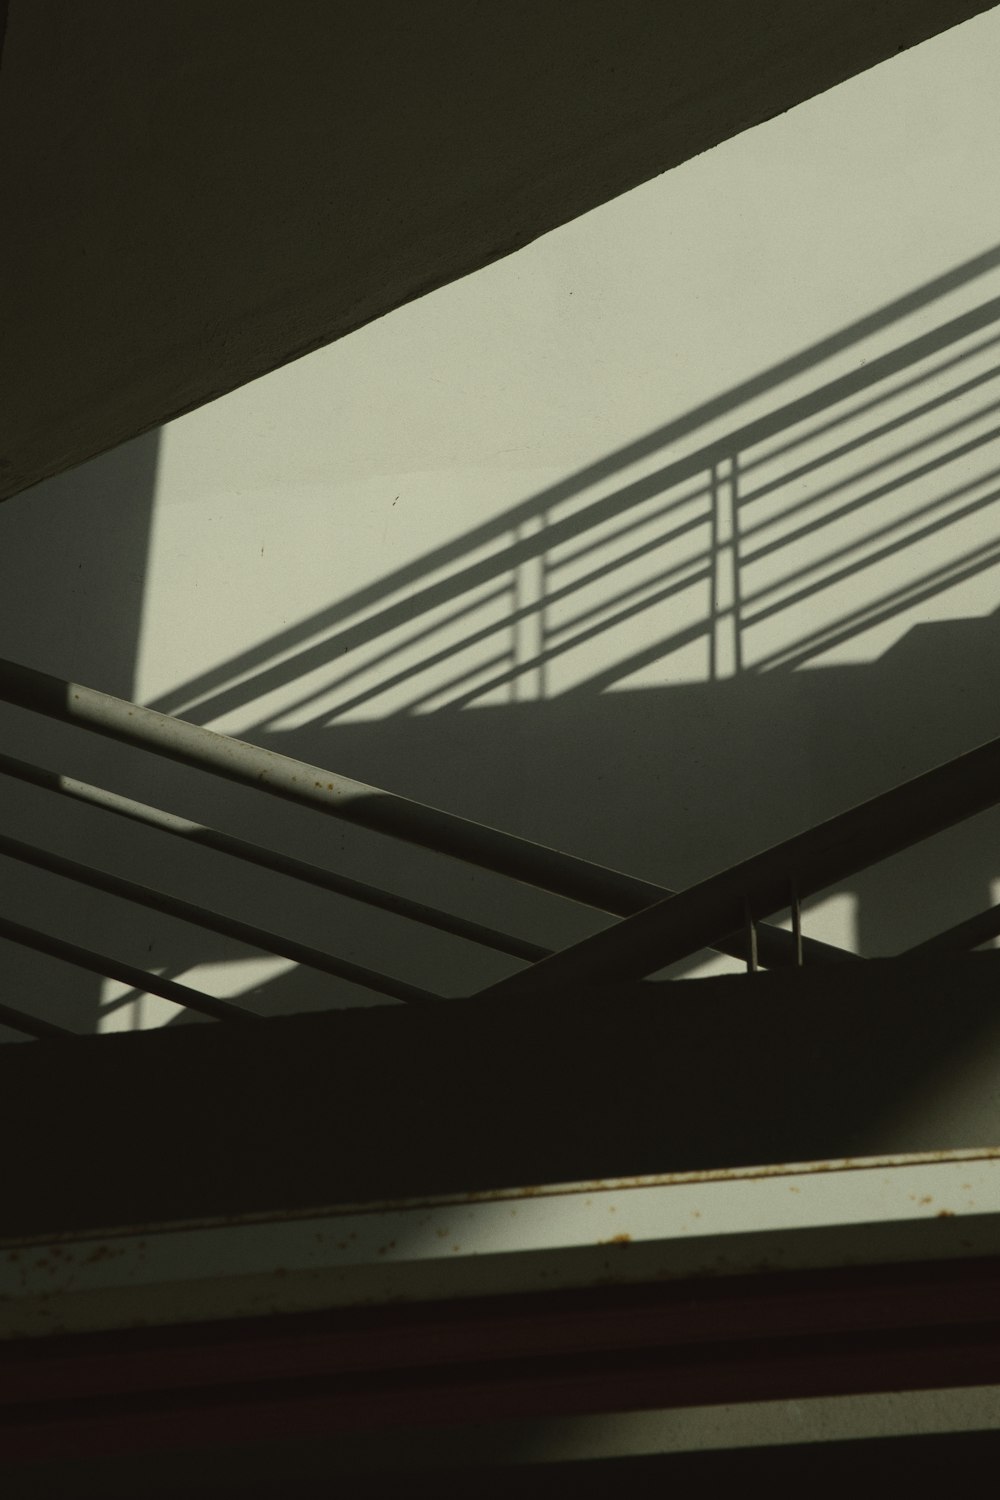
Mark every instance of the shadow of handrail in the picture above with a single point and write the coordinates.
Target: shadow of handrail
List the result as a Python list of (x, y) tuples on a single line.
[(425, 618)]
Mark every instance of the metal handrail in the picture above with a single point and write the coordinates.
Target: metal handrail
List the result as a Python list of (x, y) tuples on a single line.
[(111, 968), (368, 806), (314, 787), (270, 859), (199, 916), (798, 867), (19, 1020)]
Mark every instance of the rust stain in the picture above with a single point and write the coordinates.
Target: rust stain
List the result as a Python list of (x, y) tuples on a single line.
[(617, 1239), (946, 1213), (101, 1252)]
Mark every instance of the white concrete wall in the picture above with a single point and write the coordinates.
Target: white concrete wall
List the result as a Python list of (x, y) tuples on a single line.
[(658, 541)]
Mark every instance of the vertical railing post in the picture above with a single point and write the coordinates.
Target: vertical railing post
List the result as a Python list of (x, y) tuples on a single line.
[(796, 922), (751, 927)]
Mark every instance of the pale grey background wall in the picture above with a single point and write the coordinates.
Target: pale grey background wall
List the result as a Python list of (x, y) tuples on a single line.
[(657, 541)]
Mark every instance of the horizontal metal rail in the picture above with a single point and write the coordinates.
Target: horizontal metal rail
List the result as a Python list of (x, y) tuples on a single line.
[(185, 911), (19, 1020), (811, 861), (269, 859), (354, 801), (136, 979)]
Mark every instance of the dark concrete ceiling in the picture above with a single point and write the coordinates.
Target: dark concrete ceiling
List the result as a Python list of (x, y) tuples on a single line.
[(196, 192)]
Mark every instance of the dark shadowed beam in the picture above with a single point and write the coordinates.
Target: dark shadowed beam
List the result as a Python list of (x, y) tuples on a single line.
[(197, 193), (390, 1103)]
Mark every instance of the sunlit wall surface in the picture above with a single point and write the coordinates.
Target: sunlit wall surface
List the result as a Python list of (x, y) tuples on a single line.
[(657, 542)]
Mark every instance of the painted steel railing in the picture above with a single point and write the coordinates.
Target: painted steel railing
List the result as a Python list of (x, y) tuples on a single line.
[(657, 927), (798, 867), (263, 770)]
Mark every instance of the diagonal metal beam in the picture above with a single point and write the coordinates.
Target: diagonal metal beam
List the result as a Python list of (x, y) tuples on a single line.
[(832, 851), (270, 859), (111, 968), (368, 806), (964, 935), (19, 1020), (211, 921)]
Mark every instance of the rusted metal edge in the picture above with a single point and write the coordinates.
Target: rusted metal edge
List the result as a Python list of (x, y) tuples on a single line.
[(931, 1211), (587, 1188)]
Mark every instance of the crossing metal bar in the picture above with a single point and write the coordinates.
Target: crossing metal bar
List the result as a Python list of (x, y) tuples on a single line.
[(270, 859), (242, 932), (311, 786), (18, 1020), (136, 979), (354, 801), (832, 851), (968, 934)]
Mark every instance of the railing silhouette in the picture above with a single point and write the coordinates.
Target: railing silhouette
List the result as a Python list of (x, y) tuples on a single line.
[(321, 790), (783, 875), (658, 927), (751, 545)]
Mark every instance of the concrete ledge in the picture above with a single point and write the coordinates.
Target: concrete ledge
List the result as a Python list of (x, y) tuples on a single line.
[(888, 1057)]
